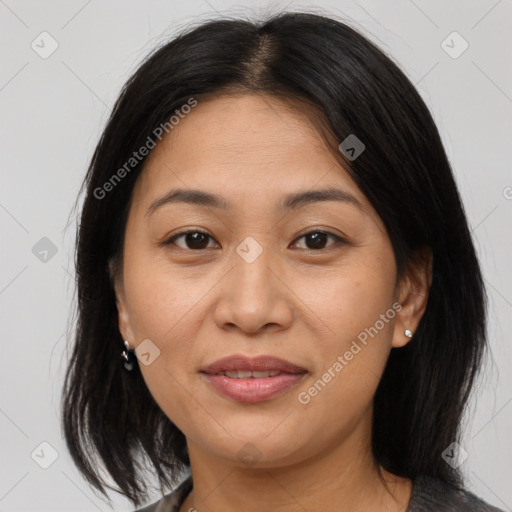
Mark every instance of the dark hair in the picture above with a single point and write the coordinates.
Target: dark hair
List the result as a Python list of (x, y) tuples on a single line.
[(349, 86)]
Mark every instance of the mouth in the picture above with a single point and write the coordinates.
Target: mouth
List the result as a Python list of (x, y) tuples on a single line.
[(243, 374), (243, 367), (246, 379)]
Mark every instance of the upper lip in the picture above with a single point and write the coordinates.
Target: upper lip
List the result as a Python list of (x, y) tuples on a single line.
[(257, 364)]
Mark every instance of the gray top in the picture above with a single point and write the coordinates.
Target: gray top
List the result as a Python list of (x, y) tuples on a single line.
[(428, 495)]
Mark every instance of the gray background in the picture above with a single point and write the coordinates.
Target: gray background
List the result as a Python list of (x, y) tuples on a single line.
[(52, 113)]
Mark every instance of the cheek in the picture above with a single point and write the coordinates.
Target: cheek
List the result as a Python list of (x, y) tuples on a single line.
[(159, 297), (356, 306), (163, 309), (354, 296)]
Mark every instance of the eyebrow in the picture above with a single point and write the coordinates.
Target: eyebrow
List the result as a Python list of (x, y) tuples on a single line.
[(289, 202)]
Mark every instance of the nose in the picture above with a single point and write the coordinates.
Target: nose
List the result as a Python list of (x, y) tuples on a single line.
[(255, 296)]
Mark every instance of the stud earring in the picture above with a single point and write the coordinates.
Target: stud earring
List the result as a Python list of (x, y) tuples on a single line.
[(128, 356), (408, 333)]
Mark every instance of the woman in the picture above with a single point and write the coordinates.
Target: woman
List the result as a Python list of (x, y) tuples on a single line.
[(273, 240)]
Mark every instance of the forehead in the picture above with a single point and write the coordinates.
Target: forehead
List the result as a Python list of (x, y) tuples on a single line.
[(230, 130), (241, 146)]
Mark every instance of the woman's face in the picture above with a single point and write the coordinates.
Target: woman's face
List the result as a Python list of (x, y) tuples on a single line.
[(263, 281)]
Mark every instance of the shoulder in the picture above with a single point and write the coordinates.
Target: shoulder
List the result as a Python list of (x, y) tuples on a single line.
[(433, 495), (428, 495), (171, 502)]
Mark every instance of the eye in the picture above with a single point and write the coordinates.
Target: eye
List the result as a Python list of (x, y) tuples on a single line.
[(198, 240), (316, 240), (193, 239)]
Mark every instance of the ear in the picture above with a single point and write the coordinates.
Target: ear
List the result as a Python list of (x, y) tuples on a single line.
[(412, 294), (123, 315)]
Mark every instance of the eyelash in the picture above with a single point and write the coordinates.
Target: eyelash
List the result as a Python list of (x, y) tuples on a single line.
[(338, 239)]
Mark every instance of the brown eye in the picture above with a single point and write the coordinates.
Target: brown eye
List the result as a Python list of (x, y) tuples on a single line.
[(316, 240), (194, 240), (199, 240)]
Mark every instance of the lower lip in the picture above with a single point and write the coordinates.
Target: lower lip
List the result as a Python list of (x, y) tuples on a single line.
[(253, 389)]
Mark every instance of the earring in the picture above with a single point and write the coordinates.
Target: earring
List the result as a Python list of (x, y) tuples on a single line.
[(128, 356), (408, 333)]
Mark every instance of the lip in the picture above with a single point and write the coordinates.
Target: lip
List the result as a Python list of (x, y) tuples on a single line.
[(253, 389), (245, 363)]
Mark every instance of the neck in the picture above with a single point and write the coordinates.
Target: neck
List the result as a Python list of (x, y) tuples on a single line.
[(342, 477)]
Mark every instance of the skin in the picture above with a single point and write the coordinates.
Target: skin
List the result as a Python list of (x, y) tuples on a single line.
[(295, 301)]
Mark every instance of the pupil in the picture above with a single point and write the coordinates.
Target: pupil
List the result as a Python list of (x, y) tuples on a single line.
[(197, 240), (318, 240)]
